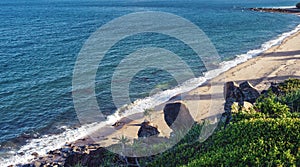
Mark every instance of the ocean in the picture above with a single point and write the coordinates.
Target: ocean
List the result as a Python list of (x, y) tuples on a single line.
[(40, 42)]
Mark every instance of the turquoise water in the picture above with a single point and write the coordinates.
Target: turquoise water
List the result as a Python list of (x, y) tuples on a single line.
[(40, 41)]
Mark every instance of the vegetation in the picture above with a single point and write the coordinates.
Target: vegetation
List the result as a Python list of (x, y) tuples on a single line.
[(266, 135)]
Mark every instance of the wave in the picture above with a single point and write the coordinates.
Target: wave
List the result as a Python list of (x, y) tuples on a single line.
[(51, 142), (282, 7)]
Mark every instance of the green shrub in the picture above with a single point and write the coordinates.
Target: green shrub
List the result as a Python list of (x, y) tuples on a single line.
[(253, 142), (292, 100), (289, 85), (270, 105)]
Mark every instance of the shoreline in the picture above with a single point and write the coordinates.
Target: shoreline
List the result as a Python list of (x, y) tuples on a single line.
[(284, 59)]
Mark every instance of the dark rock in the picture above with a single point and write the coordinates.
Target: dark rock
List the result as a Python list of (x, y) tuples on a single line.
[(250, 94), (264, 92), (177, 116), (232, 93), (21, 153), (95, 158), (27, 165), (118, 123), (275, 88), (66, 150), (35, 154), (146, 130), (277, 10)]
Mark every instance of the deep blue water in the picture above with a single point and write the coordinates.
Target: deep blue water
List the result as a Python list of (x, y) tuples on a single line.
[(40, 41)]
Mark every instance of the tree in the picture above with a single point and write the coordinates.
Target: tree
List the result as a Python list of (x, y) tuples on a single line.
[(298, 5)]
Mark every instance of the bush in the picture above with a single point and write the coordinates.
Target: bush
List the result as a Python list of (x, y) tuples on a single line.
[(289, 85), (292, 100), (253, 142), (270, 105), (298, 5)]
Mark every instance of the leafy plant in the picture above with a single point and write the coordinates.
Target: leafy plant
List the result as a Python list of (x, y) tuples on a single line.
[(271, 105)]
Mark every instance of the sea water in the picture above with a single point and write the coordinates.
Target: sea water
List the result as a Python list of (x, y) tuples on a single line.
[(40, 42)]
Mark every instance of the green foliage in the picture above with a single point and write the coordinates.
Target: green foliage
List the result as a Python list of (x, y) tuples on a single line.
[(271, 105), (253, 142), (289, 85), (292, 100)]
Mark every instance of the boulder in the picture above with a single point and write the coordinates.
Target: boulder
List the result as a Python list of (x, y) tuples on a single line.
[(146, 130), (250, 94), (232, 93), (275, 88), (231, 90), (177, 116)]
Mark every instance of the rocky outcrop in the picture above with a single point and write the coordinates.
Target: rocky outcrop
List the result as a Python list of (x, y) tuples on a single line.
[(87, 159), (146, 130), (63, 156), (234, 93), (244, 92), (250, 94), (177, 116), (277, 10)]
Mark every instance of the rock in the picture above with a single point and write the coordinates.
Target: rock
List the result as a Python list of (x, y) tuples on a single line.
[(93, 146), (37, 164), (250, 94), (274, 88), (35, 154), (66, 150), (277, 10), (298, 5), (231, 89), (65, 155), (177, 116), (232, 93), (95, 158), (21, 153), (247, 107), (146, 130), (118, 123)]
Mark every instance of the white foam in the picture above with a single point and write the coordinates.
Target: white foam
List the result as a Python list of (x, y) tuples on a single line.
[(52, 142), (282, 7)]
